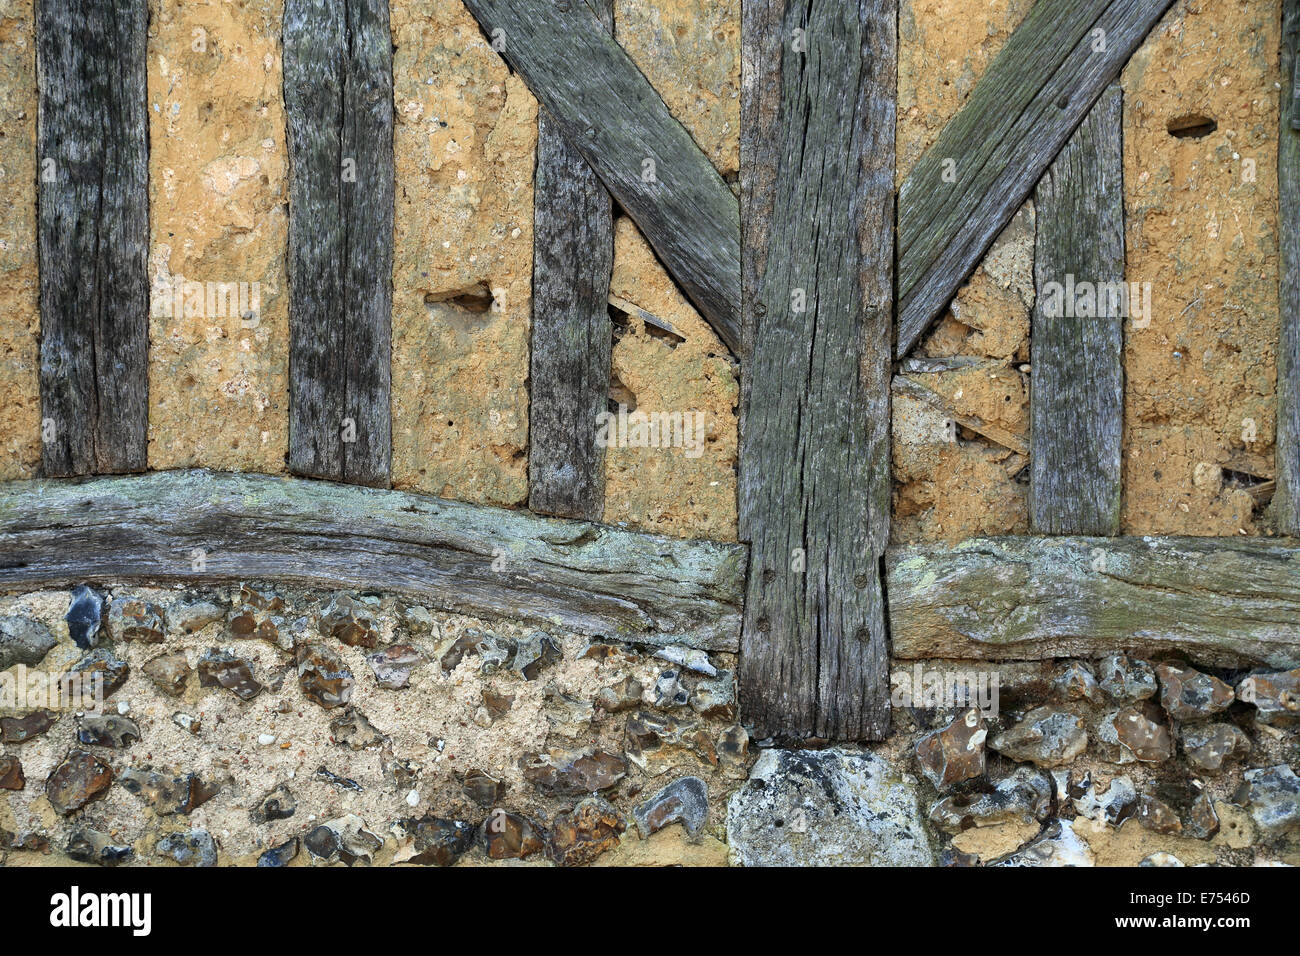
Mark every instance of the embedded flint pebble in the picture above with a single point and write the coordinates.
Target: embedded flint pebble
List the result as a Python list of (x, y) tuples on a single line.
[(281, 855), (80, 778), (392, 666), (1210, 746), (345, 839), (1157, 816), (497, 703), (580, 835), (23, 641), (1047, 736), (691, 659), (218, 668), (256, 615), (278, 804), (438, 842), (16, 730), (573, 774), (108, 730), (30, 841), (534, 653), (510, 836), (98, 669), (133, 619), (715, 698), (464, 645), (684, 801), (1126, 679), (1023, 797), (1118, 803), (1145, 738), (351, 729), (1075, 681), (954, 753), (169, 672), (1202, 819), (351, 621), (84, 617), (168, 793), (496, 652), (91, 846), (344, 783), (1276, 697), (194, 615), (624, 695), (483, 789), (11, 773), (1186, 693), (733, 746), (195, 848), (650, 736), (1272, 795), (324, 678), (669, 693)]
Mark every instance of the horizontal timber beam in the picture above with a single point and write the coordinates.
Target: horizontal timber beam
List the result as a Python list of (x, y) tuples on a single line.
[(203, 526), (984, 165), (606, 108), (1221, 601)]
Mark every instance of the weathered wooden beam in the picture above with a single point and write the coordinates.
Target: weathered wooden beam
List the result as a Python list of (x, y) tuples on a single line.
[(1222, 601), (817, 172), (572, 340), (338, 90), (1286, 506), (606, 108), (970, 183), (203, 526), (93, 235), (1076, 397)]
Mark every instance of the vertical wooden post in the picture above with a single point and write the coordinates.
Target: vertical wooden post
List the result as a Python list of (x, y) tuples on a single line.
[(573, 258), (817, 180), (1077, 389), (338, 89), (1287, 496), (93, 211)]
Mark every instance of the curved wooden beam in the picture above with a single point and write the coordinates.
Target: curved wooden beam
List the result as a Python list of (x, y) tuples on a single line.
[(203, 526)]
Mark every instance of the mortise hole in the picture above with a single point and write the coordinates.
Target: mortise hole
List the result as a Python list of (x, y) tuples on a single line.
[(477, 299), (1191, 126)]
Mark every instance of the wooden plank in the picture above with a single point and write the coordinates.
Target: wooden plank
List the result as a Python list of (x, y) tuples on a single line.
[(817, 172), (1286, 499), (196, 526), (338, 85), (1222, 601), (93, 233), (572, 341), (970, 183), (1076, 397), (606, 108)]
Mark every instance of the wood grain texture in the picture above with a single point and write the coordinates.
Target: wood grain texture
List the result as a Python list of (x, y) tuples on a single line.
[(609, 111), (572, 339), (817, 170), (1286, 506), (1222, 601), (1020, 114), (338, 85), (93, 235), (1076, 398), (470, 559)]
